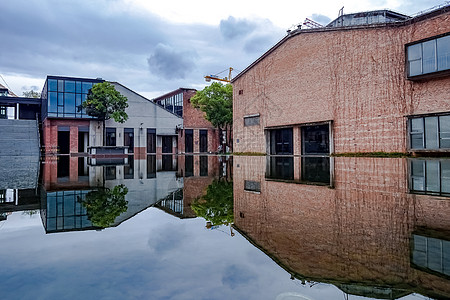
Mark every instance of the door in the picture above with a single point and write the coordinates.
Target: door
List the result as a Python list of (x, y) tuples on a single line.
[(166, 144)]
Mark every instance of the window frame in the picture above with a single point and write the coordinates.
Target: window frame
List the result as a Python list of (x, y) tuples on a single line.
[(422, 75), (424, 132)]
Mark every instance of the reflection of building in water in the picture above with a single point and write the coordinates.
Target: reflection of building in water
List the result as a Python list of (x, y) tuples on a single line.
[(67, 180), (311, 170), (198, 172), (18, 184), (365, 235), (430, 176)]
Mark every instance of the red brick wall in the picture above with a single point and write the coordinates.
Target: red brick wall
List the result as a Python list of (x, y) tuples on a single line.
[(50, 134), (193, 118), (355, 77)]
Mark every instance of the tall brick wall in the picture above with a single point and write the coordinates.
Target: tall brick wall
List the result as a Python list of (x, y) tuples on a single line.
[(354, 77), (193, 118), (357, 232), (50, 133)]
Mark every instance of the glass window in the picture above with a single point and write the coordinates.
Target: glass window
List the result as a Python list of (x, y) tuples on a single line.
[(251, 121), (429, 56), (110, 136), (417, 175), (443, 52), (432, 177), (128, 139), (61, 99), (69, 103), (417, 133), (52, 101), (86, 86), (52, 85), (60, 85), (415, 59), (444, 134), (431, 133), (151, 140), (69, 86), (78, 86)]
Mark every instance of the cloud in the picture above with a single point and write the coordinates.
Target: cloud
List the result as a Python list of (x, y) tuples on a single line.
[(232, 27), (235, 276), (324, 20), (169, 63)]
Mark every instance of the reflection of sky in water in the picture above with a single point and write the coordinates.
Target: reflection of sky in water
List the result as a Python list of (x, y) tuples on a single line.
[(151, 256)]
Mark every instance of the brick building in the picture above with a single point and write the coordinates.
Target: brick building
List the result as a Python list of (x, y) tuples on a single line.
[(366, 82), (196, 134), (383, 227), (66, 129)]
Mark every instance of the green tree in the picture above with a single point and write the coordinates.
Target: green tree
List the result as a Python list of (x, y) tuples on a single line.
[(104, 205), (216, 101), (216, 205), (32, 94), (104, 102)]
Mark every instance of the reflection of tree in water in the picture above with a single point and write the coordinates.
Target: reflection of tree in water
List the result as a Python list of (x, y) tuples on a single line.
[(104, 205), (216, 206)]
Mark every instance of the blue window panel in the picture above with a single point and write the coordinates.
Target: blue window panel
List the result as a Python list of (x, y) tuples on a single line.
[(86, 86), (78, 86), (429, 56), (52, 101), (443, 53), (78, 101), (52, 85), (60, 111), (69, 103), (60, 98), (69, 86), (60, 85)]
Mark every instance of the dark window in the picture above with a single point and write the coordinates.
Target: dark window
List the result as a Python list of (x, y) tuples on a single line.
[(110, 136), (429, 133), (428, 56), (203, 165), (128, 170), (168, 163), (188, 166), (167, 144), (3, 114), (128, 139), (189, 140), (63, 141), (280, 168), (151, 166), (315, 139), (316, 170), (110, 172), (281, 141), (251, 120), (151, 140), (203, 140)]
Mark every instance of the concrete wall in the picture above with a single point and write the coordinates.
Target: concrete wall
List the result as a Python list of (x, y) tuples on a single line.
[(353, 77)]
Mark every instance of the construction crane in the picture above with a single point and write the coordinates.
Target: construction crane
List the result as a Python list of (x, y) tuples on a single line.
[(208, 78)]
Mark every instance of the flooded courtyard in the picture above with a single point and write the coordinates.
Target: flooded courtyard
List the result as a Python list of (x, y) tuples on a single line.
[(222, 227)]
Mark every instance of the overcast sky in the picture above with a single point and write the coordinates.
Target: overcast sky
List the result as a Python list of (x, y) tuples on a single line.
[(153, 47)]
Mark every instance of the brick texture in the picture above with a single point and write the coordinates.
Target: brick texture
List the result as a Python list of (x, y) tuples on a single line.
[(354, 77)]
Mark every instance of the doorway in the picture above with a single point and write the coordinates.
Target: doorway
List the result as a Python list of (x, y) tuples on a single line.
[(64, 142), (166, 144)]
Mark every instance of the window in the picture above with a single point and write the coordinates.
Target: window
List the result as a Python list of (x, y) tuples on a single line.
[(151, 140), (430, 177), (431, 254), (281, 141), (251, 120), (430, 133), (128, 139), (110, 136), (429, 56)]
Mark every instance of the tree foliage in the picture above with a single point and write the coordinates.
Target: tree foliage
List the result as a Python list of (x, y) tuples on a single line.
[(31, 94), (216, 101), (104, 102), (104, 205), (216, 205)]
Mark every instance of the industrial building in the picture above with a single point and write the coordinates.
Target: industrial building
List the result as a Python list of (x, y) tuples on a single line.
[(367, 82)]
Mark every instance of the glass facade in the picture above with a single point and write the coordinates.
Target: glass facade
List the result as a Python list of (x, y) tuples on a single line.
[(429, 133), (173, 104), (428, 56), (64, 96)]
